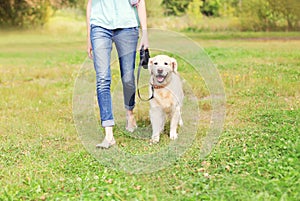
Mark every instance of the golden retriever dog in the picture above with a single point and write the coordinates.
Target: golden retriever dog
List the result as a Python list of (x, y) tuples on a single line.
[(167, 96)]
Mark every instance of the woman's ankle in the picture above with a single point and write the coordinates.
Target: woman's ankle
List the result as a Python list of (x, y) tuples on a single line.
[(129, 112), (130, 121), (109, 135)]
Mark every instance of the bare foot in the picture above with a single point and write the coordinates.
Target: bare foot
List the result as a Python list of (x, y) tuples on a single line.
[(130, 121)]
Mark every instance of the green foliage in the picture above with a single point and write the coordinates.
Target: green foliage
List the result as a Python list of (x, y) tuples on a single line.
[(194, 12), (177, 7), (21, 13), (230, 8), (154, 8), (80, 4), (254, 15), (208, 7), (270, 15), (245, 15), (211, 7), (27, 13), (288, 11)]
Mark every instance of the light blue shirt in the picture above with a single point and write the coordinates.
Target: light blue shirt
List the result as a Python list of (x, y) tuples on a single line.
[(113, 14)]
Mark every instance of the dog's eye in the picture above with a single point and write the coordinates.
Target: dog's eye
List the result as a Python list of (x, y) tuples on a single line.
[(166, 63), (155, 63)]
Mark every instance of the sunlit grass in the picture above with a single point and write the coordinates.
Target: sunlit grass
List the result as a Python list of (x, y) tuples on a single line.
[(256, 158)]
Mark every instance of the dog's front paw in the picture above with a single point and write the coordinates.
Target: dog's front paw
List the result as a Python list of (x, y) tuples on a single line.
[(173, 136), (154, 140), (180, 122)]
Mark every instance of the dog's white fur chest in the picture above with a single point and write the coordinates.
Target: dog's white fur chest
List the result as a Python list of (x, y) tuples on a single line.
[(165, 99)]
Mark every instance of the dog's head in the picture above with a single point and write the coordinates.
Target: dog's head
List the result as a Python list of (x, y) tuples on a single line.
[(161, 67)]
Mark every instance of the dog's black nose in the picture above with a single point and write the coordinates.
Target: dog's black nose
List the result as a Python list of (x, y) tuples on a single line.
[(160, 71)]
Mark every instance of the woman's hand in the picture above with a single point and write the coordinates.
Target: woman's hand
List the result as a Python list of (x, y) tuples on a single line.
[(89, 48), (144, 40)]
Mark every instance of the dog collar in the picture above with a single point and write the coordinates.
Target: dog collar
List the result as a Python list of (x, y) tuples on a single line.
[(157, 87)]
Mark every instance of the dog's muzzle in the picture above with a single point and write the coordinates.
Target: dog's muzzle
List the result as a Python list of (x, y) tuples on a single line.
[(160, 74), (161, 78)]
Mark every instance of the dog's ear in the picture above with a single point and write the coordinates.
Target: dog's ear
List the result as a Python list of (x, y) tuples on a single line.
[(174, 65), (150, 64)]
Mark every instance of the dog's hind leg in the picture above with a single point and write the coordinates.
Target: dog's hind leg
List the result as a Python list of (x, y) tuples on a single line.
[(157, 117), (175, 120)]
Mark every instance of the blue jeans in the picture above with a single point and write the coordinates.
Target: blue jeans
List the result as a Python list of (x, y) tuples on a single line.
[(126, 43)]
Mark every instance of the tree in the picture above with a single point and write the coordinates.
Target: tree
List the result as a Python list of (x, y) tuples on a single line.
[(288, 10), (26, 13), (194, 12), (175, 7), (230, 7), (22, 13), (267, 15), (154, 8), (211, 7)]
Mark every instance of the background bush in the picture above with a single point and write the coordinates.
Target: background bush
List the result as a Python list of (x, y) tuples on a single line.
[(270, 15), (253, 15), (28, 13), (22, 13), (246, 15)]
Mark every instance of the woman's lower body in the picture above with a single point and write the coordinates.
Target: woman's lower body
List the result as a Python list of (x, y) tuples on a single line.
[(125, 40)]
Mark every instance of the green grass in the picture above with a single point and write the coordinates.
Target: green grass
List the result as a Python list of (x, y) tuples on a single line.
[(229, 35), (256, 158)]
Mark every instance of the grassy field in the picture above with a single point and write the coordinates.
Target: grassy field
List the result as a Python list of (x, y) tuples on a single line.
[(256, 157)]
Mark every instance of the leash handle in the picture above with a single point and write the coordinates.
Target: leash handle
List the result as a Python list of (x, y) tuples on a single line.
[(144, 58)]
